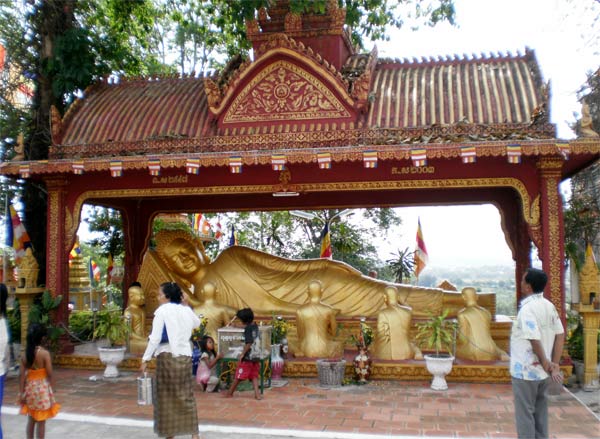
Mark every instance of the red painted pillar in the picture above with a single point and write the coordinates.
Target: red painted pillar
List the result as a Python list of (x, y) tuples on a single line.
[(57, 258)]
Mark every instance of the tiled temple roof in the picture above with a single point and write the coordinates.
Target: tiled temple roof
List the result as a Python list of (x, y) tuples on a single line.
[(134, 110), (486, 90)]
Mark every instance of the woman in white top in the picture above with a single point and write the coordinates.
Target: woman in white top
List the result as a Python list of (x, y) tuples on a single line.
[(174, 405), (4, 356)]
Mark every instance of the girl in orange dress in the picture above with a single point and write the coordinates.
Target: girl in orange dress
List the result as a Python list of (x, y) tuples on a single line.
[(35, 383)]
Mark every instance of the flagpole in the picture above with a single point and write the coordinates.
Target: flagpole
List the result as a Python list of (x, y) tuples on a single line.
[(6, 219)]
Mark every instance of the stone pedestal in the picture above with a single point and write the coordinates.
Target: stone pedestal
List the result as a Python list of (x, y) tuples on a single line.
[(26, 296)]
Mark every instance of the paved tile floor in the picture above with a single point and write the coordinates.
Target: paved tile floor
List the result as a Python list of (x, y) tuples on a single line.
[(380, 407)]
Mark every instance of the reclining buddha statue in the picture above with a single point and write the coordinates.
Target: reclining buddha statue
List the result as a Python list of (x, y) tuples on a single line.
[(268, 284)]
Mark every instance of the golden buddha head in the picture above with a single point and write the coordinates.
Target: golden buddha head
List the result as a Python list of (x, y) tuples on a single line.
[(179, 251), (390, 296), (315, 289), (136, 294), (469, 295)]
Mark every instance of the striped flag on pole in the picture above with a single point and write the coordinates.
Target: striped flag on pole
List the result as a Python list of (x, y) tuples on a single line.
[(94, 271), (16, 235), (421, 256), (109, 269), (218, 230), (75, 251), (326, 251), (233, 238)]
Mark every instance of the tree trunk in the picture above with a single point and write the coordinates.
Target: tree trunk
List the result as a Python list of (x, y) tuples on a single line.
[(50, 21)]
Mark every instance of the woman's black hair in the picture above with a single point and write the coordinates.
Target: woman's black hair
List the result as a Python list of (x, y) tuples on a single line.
[(246, 315), (172, 291), (35, 333), (3, 299), (204, 341)]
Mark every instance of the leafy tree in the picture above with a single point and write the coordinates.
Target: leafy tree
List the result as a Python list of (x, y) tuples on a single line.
[(110, 224), (403, 265), (62, 46)]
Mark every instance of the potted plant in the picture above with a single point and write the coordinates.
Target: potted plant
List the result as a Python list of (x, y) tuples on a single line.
[(42, 311), (197, 335), (111, 326), (438, 333), (362, 361), (278, 333)]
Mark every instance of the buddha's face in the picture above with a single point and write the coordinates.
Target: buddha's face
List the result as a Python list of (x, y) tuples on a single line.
[(469, 295), (136, 296), (183, 258), (391, 296), (314, 289)]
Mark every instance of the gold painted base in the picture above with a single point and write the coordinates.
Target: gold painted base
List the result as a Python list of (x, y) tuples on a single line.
[(395, 371)]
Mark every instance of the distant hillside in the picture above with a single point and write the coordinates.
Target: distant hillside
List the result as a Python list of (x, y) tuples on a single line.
[(493, 279)]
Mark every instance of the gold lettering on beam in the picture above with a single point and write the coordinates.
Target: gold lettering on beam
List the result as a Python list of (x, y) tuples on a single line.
[(406, 170), (175, 179)]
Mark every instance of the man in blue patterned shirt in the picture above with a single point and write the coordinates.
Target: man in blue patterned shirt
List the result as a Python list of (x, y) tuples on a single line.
[(536, 344)]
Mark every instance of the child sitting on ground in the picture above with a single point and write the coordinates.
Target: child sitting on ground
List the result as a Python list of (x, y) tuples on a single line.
[(206, 375), (247, 368)]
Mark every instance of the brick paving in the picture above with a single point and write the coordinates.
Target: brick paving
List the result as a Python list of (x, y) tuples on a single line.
[(380, 407)]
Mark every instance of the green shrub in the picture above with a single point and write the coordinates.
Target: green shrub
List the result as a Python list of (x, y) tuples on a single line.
[(14, 322), (81, 325)]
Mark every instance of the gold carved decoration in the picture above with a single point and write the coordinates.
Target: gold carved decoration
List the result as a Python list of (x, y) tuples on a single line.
[(556, 257), (458, 183), (284, 91), (53, 268)]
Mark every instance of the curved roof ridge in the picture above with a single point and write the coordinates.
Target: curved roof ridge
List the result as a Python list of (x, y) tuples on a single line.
[(483, 57)]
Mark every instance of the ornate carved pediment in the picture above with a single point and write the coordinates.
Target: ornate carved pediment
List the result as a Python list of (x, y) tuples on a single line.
[(285, 91)]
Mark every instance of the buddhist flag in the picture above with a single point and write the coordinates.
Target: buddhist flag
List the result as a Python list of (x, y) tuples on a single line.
[(109, 269), (154, 166), (75, 251), (192, 166), (421, 257), (16, 235), (370, 159), (94, 271), (513, 154), (278, 162), (324, 160), (78, 167), (116, 168), (418, 156), (24, 171), (218, 230), (326, 243), (233, 238), (235, 164), (468, 154), (196, 223)]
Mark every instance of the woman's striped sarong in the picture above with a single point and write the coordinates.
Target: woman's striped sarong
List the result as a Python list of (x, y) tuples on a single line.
[(174, 404)]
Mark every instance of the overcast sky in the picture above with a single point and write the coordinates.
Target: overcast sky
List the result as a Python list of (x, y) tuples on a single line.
[(565, 36)]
